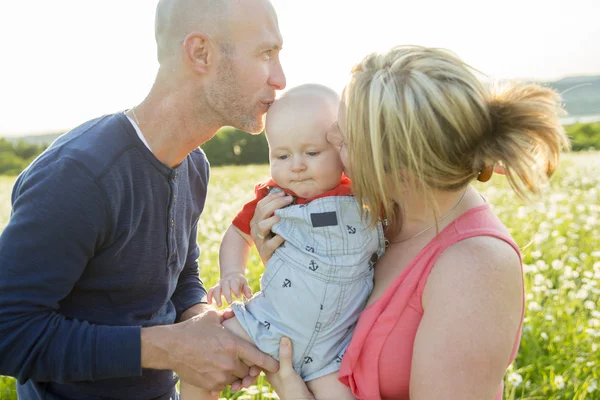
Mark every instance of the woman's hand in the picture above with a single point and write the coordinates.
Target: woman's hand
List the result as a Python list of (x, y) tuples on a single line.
[(286, 382), (262, 222)]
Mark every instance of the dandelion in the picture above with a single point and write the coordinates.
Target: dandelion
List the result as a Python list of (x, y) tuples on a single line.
[(534, 306), (582, 294), (539, 279), (557, 265), (592, 387), (559, 381), (536, 254), (592, 332), (544, 335), (541, 264), (590, 305), (515, 379)]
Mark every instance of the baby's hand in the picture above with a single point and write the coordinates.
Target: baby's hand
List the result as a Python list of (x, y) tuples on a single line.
[(230, 285)]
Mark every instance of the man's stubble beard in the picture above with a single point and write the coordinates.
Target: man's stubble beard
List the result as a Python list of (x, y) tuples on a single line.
[(227, 100)]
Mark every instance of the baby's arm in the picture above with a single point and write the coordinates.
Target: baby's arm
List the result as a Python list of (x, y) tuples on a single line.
[(233, 255)]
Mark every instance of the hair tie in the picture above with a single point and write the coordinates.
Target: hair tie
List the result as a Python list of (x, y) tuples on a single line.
[(486, 173)]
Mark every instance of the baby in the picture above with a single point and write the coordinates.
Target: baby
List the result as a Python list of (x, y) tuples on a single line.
[(318, 281)]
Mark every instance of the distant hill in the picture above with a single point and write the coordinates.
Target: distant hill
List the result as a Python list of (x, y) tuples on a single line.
[(581, 96), (43, 139)]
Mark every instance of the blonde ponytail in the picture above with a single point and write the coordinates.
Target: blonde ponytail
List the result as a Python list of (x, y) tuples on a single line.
[(525, 134)]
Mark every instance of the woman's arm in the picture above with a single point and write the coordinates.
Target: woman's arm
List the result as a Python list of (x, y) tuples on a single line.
[(473, 303)]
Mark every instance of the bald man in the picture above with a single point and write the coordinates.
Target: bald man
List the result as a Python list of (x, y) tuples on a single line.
[(99, 258)]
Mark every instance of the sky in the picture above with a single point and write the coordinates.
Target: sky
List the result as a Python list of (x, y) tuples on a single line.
[(63, 62)]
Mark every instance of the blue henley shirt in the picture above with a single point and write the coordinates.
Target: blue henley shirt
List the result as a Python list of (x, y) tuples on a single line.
[(101, 242)]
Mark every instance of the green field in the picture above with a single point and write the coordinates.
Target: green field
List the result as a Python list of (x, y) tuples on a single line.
[(558, 233)]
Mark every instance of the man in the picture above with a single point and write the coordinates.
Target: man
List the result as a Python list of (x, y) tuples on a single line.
[(99, 257)]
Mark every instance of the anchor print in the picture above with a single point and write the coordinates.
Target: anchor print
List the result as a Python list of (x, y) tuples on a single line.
[(351, 229), (267, 324), (308, 360), (287, 283), (310, 249), (313, 265)]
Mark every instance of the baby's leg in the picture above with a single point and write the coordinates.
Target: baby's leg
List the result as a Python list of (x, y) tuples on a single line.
[(328, 387), (190, 392)]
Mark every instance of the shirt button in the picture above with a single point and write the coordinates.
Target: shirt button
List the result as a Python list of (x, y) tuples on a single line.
[(172, 223)]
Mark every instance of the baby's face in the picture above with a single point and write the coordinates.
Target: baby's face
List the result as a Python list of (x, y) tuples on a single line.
[(302, 160)]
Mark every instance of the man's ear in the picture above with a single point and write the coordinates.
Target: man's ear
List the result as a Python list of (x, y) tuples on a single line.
[(198, 52)]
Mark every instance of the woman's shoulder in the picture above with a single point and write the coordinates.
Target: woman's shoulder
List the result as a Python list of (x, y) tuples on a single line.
[(476, 265)]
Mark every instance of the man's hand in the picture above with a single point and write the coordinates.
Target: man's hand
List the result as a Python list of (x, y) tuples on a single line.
[(203, 353), (230, 285), (194, 310), (262, 222)]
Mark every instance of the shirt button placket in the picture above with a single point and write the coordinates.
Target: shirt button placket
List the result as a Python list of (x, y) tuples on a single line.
[(172, 216)]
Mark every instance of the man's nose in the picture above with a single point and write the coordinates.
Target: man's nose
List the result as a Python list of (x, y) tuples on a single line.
[(277, 77)]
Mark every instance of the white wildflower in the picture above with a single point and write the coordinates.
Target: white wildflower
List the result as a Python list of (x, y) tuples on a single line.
[(515, 379)]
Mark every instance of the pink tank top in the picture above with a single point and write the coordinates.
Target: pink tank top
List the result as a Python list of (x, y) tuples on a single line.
[(377, 363)]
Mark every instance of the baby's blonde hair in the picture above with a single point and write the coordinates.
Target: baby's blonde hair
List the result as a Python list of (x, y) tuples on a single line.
[(421, 112)]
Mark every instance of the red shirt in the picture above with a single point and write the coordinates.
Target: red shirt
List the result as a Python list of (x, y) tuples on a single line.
[(242, 219)]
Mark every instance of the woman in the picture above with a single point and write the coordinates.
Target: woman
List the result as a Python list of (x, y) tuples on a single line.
[(445, 315)]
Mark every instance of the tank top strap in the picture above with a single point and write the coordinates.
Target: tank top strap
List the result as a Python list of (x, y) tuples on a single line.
[(478, 221)]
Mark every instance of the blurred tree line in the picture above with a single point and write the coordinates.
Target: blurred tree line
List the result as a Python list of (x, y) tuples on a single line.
[(231, 146), (15, 156), (584, 136)]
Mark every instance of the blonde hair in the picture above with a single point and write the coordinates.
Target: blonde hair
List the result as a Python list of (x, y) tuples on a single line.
[(421, 112)]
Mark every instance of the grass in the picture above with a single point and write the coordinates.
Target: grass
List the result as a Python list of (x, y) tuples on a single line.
[(559, 356)]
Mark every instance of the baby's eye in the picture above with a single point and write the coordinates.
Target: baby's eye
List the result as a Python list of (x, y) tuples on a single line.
[(282, 157), (313, 153)]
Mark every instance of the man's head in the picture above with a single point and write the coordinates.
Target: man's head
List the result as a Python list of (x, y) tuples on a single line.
[(302, 160), (224, 54)]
